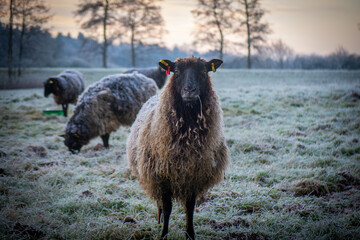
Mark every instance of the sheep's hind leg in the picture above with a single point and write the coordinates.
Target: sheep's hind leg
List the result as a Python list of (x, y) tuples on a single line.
[(166, 211), (105, 139), (65, 109), (189, 209)]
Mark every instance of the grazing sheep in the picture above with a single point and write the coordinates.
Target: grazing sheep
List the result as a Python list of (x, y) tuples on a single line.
[(65, 87), (156, 73), (176, 147), (105, 105)]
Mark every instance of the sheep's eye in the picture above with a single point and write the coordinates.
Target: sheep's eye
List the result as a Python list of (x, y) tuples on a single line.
[(176, 71), (205, 72)]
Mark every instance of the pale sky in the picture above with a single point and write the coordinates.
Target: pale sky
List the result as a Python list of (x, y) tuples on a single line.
[(307, 26)]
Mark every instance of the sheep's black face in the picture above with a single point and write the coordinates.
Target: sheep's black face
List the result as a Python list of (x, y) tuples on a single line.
[(73, 142), (51, 86), (76, 134), (191, 76), (190, 81)]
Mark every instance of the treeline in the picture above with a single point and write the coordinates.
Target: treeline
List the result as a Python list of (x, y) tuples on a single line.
[(139, 26), (340, 59), (43, 50)]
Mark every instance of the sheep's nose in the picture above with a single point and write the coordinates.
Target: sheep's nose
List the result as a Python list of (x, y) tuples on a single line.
[(189, 89)]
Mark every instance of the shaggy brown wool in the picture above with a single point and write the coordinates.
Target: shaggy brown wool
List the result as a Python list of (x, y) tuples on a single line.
[(162, 148)]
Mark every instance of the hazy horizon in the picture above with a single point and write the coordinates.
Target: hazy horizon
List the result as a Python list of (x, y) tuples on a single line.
[(308, 27)]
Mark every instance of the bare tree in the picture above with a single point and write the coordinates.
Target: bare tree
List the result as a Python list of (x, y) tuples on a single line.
[(339, 57), (280, 52), (213, 18), (249, 14), (10, 47), (98, 13), (30, 13), (141, 21), (3, 9)]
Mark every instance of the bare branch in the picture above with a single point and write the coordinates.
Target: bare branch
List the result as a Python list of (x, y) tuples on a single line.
[(213, 20), (141, 22), (249, 15)]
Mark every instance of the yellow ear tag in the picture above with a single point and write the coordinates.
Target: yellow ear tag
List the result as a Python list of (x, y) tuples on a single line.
[(163, 62), (167, 65), (51, 82), (213, 67)]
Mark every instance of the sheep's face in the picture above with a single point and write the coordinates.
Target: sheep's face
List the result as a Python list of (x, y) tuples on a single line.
[(75, 138), (190, 76), (51, 86), (73, 142)]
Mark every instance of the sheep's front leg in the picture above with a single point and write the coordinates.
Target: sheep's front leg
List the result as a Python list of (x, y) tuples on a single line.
[(160, 212), (166, 211), (105, 139), (189, 210), (65, 109)]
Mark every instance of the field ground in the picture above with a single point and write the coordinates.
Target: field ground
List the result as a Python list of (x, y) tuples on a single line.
[(294, 138)]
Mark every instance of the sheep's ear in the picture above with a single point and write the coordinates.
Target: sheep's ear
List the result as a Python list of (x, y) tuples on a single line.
[(62, 135), (165, 64), (213, 64)]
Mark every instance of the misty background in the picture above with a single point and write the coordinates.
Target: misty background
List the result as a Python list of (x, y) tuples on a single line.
[(26, 40)]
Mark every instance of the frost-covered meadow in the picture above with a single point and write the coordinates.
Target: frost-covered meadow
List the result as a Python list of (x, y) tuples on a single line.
[(294, 138)]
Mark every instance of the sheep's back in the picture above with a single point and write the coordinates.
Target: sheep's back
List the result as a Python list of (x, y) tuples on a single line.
[(72, 83), (131, 91), (113, 101), (155, 73)]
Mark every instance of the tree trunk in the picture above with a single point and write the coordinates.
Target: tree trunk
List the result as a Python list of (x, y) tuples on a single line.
[(281, 63), (10, 53), (104, 53), (21, 43), (221, 45), (248, 34), (221, 50), (132, 47)]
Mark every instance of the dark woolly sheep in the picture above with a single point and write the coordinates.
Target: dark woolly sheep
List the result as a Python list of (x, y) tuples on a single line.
[(156, 73), (176, 147), (65, 87), (105, 105)]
